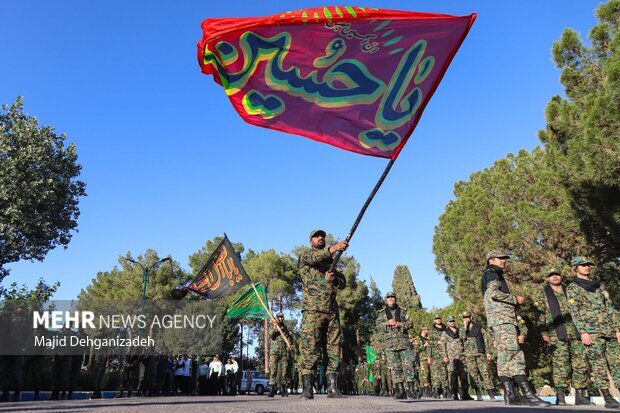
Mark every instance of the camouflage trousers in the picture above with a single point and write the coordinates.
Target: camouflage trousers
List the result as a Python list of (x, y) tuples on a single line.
[(423, 374), (457, 373), (439, 373), (386, 380), (320, 332), (478, 369), (128, 379), (570, 365), (510, 358), (604, 355), (401, 363), (99, 373), (277, 368)]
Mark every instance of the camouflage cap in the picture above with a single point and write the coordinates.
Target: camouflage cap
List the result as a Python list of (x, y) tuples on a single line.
[(497, 254), (390, 294), (580, 260), (424, 328), (466, 314), (450, 319), (316, 231), (554, 270), (437, 316)]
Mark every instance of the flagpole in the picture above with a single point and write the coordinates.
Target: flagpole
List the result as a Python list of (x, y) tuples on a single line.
[(361, 214), (288, 343)]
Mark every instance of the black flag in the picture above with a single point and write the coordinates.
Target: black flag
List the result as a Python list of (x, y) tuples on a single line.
[(222, 275)]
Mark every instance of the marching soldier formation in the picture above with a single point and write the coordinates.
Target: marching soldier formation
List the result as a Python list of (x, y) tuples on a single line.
[(576, 322), (574, 318)]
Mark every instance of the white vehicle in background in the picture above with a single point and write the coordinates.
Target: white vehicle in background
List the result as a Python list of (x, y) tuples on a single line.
[(260, 383)]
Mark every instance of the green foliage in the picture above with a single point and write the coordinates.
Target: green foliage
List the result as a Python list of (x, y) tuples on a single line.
[(33, 298), (517, 205), (582, 136), (125, 282), (406, 294), (279, 274), (39, 189)]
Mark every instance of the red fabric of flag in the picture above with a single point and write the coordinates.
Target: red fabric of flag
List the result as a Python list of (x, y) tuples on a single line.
[(353, 77)]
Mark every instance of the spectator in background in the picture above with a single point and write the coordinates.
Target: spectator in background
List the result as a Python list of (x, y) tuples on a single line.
[(203, 376), (248, 380), (215, 369)]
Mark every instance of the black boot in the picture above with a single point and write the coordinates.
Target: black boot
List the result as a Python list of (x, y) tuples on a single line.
[(37, 396), (70, 395), (332, 387), (283, 391), (454, 395), (96, 395), (491, 394), (54, 395), (529, 398), (16, 397), (435, 393), (559, 396), (511, 397), (478, 394), (399, 391), (5, 396), (464, 393), (273, 389), (447, 394), (119, 395), (426, 392), (308, 382), (581, 399), (410, 390), (610, 402), (128, 393)]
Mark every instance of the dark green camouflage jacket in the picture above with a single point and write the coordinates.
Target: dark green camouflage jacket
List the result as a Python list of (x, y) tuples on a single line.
[(592, 311), (395, 338), (319, 295)]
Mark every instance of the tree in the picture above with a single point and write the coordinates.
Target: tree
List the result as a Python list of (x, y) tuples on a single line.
[(402, 285), (517, 205), (582, 135), (39, 189)]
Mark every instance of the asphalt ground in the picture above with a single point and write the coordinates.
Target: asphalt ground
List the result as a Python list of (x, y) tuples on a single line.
[(255, 403)]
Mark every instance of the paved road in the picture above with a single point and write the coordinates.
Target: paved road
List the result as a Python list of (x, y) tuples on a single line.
[(320, 404)]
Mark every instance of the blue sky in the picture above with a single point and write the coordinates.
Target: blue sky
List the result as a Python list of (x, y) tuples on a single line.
[(169, 164)]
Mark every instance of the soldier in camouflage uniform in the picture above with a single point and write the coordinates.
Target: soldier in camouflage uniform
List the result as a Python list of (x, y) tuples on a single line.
[(554, 323), (476, 343), (439, 373), (278, 359), (129, 376), (501, 310), (453, 355), (394, 323), (320, 326), (424, 370), (598, 325), (386, 382)]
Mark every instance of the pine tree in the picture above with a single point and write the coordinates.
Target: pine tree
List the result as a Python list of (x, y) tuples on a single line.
[(406, 294)]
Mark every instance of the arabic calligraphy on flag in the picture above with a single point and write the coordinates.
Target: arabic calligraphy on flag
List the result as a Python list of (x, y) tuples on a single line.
[(353, 77), (222, 275)]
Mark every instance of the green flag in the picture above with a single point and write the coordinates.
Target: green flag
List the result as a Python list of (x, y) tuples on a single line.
[(371, 356), (248, 304)]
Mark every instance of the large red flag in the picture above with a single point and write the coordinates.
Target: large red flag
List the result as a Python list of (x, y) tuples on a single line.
[(353, 77)]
